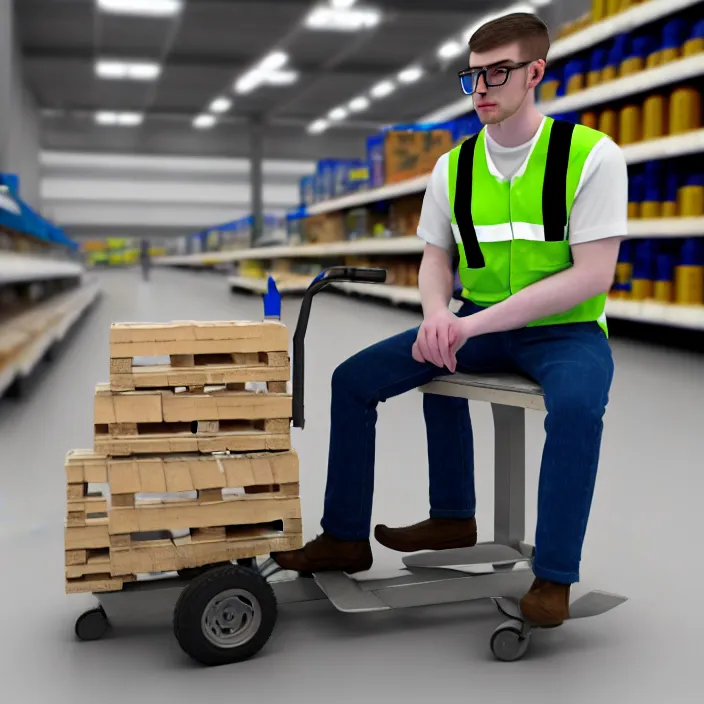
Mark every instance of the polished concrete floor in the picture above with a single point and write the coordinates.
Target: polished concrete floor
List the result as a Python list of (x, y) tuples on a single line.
[(641, 539)]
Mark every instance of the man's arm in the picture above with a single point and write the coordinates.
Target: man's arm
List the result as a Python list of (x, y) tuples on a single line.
[(591, 274), (435, 279)]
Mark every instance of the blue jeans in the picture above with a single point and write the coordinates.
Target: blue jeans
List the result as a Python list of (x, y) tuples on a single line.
[(573, 364)]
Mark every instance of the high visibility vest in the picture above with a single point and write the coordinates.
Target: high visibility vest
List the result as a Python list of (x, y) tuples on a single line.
[(513, 233)]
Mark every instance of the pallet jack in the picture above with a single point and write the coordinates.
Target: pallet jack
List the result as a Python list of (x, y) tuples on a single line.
[(226, 614)]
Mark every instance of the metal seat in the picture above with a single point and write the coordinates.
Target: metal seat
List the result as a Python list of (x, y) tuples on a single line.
[(509, 396)]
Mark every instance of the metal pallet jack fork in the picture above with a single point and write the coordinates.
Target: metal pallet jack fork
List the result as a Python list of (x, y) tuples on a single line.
[(240, 616)]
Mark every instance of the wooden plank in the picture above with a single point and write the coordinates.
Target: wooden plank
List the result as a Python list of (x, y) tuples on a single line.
[(88, 505), (122, 500), (236, 441), (95, 564), (94, 534), (182, 360), (76, 557), (95, 584), (167, 556), (225, 405), (127, 407), (121, 366), (209, 496), (208, 535), (191, 514), (85, 466), (277, 387), (143, 340), (174, 474), (75, 492)]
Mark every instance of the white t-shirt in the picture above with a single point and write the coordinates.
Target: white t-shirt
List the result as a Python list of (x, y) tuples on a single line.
[(600, 208)]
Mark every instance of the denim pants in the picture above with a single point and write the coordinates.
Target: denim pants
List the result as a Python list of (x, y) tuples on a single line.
[(573, 364)]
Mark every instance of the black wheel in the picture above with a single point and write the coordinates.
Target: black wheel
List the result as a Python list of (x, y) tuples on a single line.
[(225, 615), (92, 625), (193, 572), (510, 641)]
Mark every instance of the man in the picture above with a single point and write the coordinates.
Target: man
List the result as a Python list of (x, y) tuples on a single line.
[(535, 208)]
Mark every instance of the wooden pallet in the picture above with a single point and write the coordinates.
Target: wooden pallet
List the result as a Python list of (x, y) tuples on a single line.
[(162, 422), (245, 506)]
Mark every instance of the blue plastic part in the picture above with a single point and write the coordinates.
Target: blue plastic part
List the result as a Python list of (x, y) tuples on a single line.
[(665, 267), (272, 300), (644, 260), (625, 252), (692, 253), (641, 47), (695, 180), (598, 59), (698, 31), (674, 33)]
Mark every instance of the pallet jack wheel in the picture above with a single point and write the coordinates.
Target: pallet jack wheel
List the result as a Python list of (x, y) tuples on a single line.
[(92, 624), (510, 641), (225, 615)]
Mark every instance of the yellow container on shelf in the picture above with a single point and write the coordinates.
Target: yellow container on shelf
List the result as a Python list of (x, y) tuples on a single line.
[(641, 289), (613, 7), (650, 209), (590, 119), (630, 125), (655, 117), (633, 211), (670, 209), (548, 90), (690, 197), (599, 10), (669, 54), (663, 291), (685, 110), (610, 73), (608, 124), (633, 64), (624, 272), (692, 47), (654, 60), (689, 285)]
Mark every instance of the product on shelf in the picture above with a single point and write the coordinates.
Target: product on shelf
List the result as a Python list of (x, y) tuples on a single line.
[(151, 438), (329, 227)]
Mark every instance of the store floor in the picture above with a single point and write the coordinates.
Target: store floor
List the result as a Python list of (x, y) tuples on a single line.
[(641, 541)]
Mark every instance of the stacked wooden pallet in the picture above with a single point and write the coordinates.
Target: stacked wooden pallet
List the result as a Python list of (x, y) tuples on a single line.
[(199, 466)]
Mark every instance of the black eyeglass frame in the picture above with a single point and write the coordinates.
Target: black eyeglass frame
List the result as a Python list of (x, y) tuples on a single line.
[(483, 72)]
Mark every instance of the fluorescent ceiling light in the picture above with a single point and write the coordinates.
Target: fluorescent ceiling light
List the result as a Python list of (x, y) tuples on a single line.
[(450, 49), (342, 4), (220, 105), (338, 114), (127, 70), (204, 122), (410, 75), (281, 78), (121, 119), (540, 3), (381, 90), (248, 82), (336, 19), (274, 61), (318, 126), (148, 8), (359, 104)]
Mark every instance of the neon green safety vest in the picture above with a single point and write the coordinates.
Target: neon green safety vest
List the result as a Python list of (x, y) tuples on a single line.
[(511, 234)]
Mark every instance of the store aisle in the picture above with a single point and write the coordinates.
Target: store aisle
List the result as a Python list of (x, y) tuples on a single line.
[(641, 540)]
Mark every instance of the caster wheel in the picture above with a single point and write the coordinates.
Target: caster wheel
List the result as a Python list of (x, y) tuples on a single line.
[(509, 643), (225, 615), (247, 562), (92, 625)]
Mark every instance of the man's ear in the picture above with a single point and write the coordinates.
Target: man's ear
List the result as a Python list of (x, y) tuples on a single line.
[(537, 72)]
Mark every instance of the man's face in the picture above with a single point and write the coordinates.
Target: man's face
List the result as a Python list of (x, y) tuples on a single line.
[(496, 104)]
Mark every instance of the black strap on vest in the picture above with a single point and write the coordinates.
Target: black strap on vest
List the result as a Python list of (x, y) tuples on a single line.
[(463, 205), (555, 183)]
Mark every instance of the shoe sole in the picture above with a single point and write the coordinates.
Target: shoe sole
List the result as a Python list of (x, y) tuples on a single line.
[(447, 545)]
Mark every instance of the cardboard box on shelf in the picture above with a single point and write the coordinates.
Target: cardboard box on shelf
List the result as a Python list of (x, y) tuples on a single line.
[(324, 228), (434, 143), (402, 155), (404, 215)]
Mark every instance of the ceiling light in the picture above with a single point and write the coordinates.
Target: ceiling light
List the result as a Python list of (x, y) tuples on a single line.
[(204, 122), (336, 19), (318, 126), (220, 105), (381, 90), (410, 75), (342, 4), (281, 78), (248, 82), (337, 114), (450, 49), (274, 61), (149, 8), (127, 70), (121, 119), (359, 104)]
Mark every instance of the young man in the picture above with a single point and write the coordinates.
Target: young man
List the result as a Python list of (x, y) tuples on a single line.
[(535, 208)]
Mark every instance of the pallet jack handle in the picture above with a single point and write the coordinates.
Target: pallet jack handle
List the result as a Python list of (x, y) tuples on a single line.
[(329, 276)]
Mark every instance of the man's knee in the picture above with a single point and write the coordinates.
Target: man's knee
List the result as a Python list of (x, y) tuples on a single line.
[(583, 401)]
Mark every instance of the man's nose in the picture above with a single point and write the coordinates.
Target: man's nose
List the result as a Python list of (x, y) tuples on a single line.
[(481, 85)]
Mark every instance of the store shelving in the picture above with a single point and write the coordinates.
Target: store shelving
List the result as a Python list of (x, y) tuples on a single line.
[(60, 314), (19, 268)]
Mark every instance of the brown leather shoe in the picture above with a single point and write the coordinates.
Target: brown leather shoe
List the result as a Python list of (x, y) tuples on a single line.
[(432, 534), (547, 604), (327, 554)]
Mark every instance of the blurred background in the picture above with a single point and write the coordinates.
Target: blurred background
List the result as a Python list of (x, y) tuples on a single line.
[(160, 159)]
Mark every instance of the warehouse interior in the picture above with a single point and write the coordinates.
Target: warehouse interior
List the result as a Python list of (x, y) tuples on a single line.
[(179, 162)]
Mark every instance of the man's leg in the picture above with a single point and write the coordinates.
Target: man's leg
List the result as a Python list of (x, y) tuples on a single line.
[(573, 363), (376, 374)]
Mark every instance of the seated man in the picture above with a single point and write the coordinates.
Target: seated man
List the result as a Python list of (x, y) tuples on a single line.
[(535, 208)]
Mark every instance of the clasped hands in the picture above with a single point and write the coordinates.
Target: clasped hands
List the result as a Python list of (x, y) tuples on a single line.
[(440, 336)]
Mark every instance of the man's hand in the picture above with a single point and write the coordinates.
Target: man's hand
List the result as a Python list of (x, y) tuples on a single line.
[(440, 335)]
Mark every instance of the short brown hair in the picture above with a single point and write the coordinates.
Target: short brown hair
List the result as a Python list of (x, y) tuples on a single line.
[(522, 27)]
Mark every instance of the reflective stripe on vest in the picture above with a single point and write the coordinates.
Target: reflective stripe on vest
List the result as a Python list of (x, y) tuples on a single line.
[(512, 233)]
